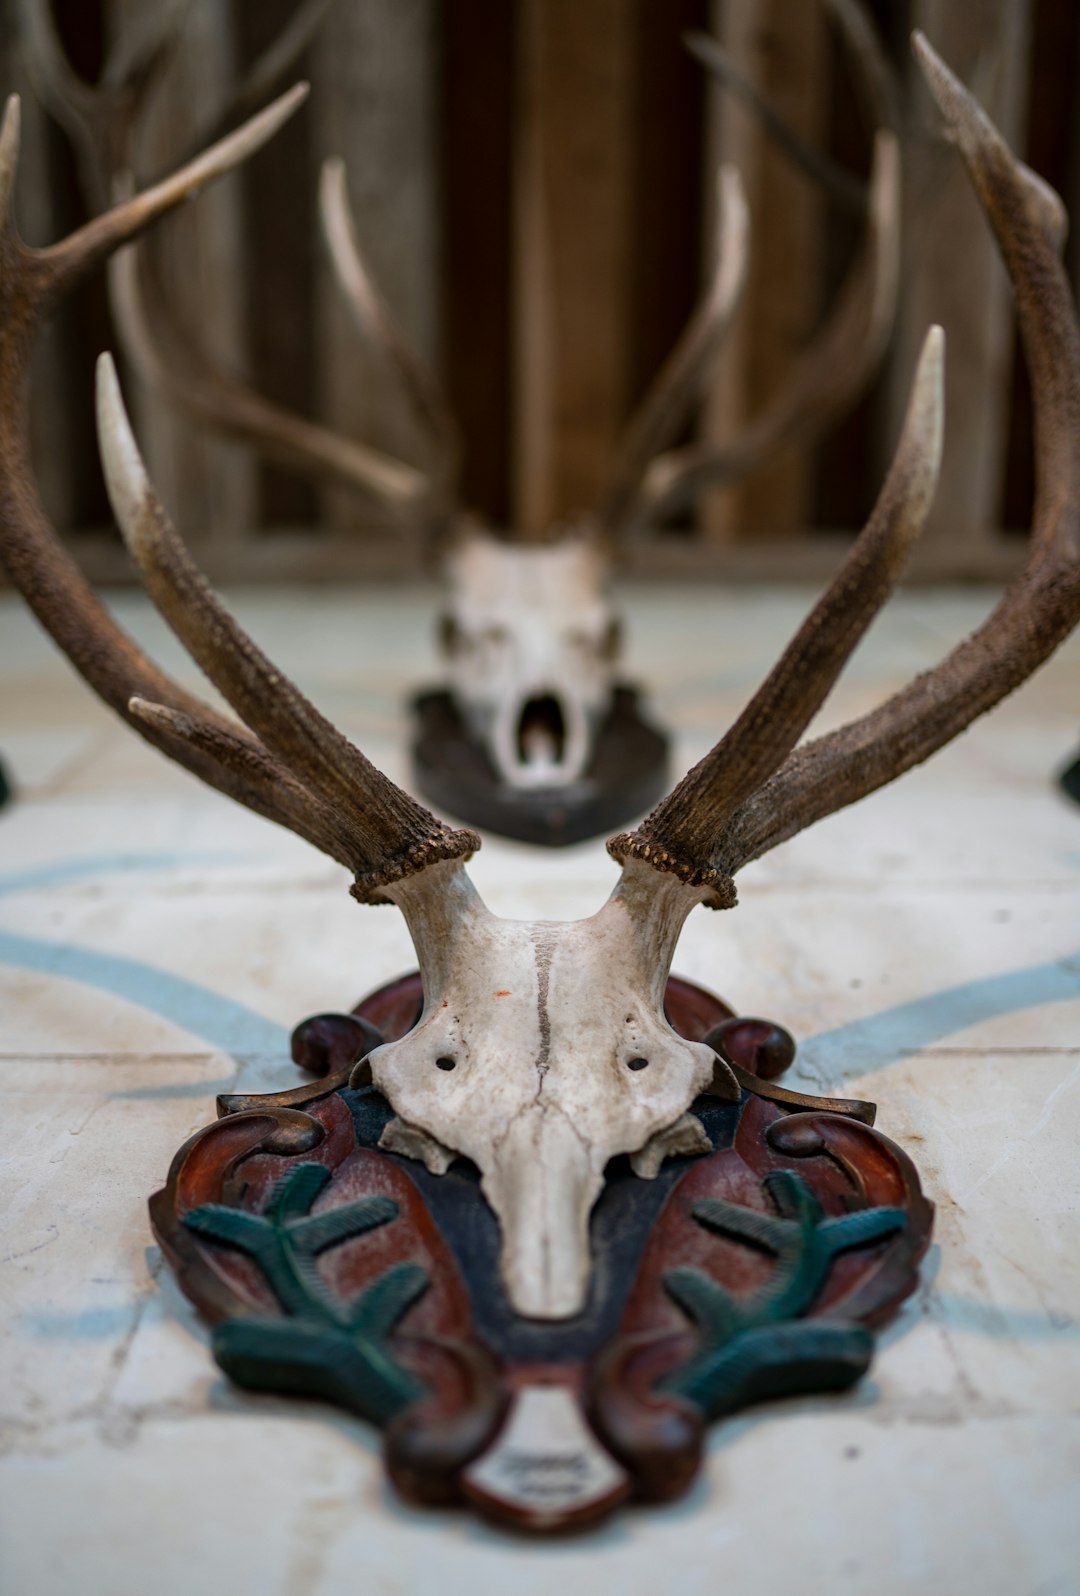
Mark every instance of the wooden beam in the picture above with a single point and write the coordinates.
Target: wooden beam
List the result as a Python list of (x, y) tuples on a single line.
[(207, 484), (574, 175), (781, 49), (55, 421), (952, 272), (306, 556), (374, 73), (476, 94)]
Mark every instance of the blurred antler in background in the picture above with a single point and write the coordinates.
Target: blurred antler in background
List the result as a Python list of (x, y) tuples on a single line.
[(106, 123), (381, 76)]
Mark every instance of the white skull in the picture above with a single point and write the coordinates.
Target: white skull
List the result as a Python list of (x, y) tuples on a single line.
[(531, 641), (541, 1053)]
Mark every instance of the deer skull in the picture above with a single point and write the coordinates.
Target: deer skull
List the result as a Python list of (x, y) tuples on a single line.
[(530, 641), (543, 1052), (524, 1057)]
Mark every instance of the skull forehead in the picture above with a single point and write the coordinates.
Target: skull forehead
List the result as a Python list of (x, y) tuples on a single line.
[(557, 577), (540, 1018)]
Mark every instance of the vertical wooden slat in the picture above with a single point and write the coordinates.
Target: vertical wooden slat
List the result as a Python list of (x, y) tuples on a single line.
[(952, 273), (665, 245), (1053, 150), (40, 214), (206, 483), (852, 457), (63, 419), (477, 82), (278, 272), (374, 72), (781, 48), (573, 198)]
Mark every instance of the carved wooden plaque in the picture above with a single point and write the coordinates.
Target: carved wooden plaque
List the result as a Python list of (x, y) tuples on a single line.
[(333, 1269)]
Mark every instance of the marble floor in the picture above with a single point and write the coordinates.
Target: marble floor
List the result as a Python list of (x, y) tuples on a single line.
[(157, 943)]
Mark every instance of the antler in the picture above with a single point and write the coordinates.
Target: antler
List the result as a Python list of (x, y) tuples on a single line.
[(99, 119), (173, 363), (752, 791), (677, 387), (167, 355), (377, 323), (838, 363), (296, 769)]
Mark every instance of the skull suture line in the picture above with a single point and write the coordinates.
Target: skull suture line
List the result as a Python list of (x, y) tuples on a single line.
[(541, 1053)]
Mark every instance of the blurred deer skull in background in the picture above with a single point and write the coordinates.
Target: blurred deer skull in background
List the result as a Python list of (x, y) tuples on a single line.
[(531, 641), (528, 634)]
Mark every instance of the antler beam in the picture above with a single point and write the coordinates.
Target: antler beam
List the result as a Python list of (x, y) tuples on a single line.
[(103, 121), (840, 359), (357, 816), (713, 823)]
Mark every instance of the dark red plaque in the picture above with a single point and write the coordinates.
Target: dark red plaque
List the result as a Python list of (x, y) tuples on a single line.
[(333, 1269)]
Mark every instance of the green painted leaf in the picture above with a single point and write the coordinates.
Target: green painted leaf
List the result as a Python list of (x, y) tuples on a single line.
[(793, 1198), (705, 1301), (747, 1224), (378, 1309), (775, 1361), (763, 1346), (317, 1232), (233, 1227), (310, 1360), (862, 1227), (322, 1347), (295, 1192)]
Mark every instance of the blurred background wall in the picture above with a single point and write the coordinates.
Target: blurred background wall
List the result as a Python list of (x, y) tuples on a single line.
[(532, 183)]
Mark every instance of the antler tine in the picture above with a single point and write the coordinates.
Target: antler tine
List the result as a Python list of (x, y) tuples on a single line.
[(173, 365), (141, 52), (63, 263), (391, 834), (842, 186), (226, 756), (676, 389), (167, 357), (377, 322), (267, 71), (70, 100), (10, 133), (32, 554), (99, 119), (684, 828), (1041, 605), (839, 361)]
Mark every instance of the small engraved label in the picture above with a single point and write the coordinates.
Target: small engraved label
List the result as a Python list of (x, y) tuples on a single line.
[(546, 1460)]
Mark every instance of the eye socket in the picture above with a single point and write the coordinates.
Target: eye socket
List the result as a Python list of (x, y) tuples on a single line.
[(445, 1063), (637, 1063)]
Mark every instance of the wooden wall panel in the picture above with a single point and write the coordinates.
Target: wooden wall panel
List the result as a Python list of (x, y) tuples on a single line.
[(40, 210), (207, 484), (781, 49), (952, 272), (477, 82), (529, 179), (666, 224), (374, 82), (573, 197), (276, 219)]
